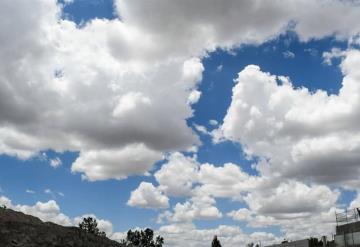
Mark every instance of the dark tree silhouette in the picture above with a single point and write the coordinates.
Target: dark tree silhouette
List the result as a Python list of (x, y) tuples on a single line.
[(144, 238), (89, 225), (215, 242), (250, 244)]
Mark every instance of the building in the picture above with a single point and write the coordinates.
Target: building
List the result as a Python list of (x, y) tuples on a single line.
[(297, 243), (348, 228)]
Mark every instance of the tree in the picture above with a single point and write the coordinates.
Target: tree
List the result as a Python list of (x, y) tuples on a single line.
[(250, 244), (215, 242), (144, 238), (89, 225)]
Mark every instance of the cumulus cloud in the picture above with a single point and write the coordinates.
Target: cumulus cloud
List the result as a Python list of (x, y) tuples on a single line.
[(135, 159), (199, 207), (292, 199), (300, 210), (269, 200), (177, 176), (147, 196), (86, 98), (300, 134), (109, 85), (299, 138)]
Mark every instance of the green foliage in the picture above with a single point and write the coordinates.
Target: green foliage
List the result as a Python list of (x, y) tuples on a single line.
[(3, 207), (89, 225), (143, 238)]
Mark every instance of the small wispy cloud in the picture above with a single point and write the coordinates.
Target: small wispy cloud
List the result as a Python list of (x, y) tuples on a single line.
[(48, 191), (56, 162), (213, 122), (201, 129), (288, 54), (30, 191)]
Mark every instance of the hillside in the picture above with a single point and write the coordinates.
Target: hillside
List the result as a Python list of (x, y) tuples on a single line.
[(18, 229)]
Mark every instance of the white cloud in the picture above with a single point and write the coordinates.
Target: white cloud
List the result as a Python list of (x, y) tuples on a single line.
[(30, 191), (243, 214), (199, 207), (213, 122), (194, 97), (55, 162), (328, 56), (147, 196), (176, 177), (134, 159), (299, 133), (48, 191), (288, 54), (292, 200), (202, 129)]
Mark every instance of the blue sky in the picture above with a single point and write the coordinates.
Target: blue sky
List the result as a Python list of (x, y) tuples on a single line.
[(233, 179)]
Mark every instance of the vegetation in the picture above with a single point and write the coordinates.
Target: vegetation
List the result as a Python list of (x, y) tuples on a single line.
[(89, 225), (3, 207), (143, 239), (215, 242), (252, 245)]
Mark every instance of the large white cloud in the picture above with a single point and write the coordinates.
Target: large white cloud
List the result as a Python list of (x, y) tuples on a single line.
[(305, 135), (135, 159), (66, 88)]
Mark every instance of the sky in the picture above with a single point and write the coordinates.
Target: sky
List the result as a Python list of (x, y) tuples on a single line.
[(195, 118)]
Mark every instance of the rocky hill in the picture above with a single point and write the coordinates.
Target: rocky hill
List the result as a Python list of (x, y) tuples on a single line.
[(21, 230)]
